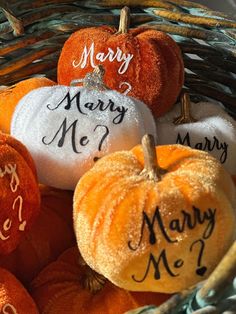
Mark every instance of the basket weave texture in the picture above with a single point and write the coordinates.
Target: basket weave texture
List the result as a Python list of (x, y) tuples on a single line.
[(32, 34)]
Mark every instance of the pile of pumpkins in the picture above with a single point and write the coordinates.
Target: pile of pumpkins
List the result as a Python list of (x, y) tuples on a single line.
[(95, 218)]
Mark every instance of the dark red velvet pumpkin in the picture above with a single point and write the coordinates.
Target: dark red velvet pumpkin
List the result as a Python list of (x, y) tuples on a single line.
[(146, 62)]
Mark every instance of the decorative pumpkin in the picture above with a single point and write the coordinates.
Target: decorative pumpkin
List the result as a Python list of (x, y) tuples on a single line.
[(144, 62), (157, 225), (19, 193), (14, 299), (67, 129), (70, 286), (210, 129), (10, 96), (52, 234)]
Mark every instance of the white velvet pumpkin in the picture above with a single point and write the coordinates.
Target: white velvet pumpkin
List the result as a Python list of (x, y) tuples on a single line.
[(67, 128), (214, 132)]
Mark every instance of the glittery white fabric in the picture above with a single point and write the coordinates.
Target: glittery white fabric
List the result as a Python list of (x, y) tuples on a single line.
[(214, 132), (66, 128)]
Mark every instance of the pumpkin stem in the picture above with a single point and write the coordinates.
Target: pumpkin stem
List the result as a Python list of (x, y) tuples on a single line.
[(91, 281), (185, 116), (93, 80), (152, 170), (124, 21)]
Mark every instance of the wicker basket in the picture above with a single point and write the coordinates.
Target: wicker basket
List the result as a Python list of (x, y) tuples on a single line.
[(32, 34)]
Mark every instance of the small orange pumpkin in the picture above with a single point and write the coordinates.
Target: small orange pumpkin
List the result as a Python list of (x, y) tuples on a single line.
[(70, 286), (149, 62), (14, 299), (19, 193), (51, 234), (159, 226), (10, 96)]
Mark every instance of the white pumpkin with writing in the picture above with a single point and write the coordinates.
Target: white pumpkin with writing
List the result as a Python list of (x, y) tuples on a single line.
[(67, 128), (209, 128)]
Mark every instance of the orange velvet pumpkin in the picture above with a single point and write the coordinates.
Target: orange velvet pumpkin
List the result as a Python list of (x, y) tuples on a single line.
[(14, 299), (145, 62), (51, 234), (158, 227), (63, 287), (10, 96), (19, 193)]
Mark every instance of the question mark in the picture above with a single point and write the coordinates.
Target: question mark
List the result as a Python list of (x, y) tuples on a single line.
[(102, 139), (200, 271), (19, 199), (126, 92), (7, 307)]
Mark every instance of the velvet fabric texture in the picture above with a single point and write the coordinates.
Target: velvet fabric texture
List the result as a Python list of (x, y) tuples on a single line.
[(14, 299), (51, 234), (19, 193), (67, 128), (148, 234), (58, 289), (146, 62), (213, 131), (10, 97)]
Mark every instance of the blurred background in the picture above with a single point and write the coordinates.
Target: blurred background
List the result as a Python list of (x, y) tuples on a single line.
[(228, 6)]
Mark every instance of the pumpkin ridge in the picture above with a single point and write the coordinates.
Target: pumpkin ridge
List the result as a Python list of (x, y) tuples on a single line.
[(93, 33), (60, 294), (10, 96), (125, 184), (160, 41), (40, 281), (98, 217), (30, 198), (12, 143), (174, 48), (101, 166)]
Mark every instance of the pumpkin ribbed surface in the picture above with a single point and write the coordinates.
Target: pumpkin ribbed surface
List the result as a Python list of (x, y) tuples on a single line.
[(19, 193), (58, 289), (10, 97), (152, 58), (159, 236), (14, 298), (51, 234)]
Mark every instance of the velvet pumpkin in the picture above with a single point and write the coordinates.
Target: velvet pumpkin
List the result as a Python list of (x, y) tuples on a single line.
[(158, 226), (67, 128), (51, 234), (10, 96), (19, 193), (204, 126), (14, 299), (145, 62), (68, 286)]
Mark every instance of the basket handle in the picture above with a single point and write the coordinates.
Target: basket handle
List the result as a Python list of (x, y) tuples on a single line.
[(223, 274)]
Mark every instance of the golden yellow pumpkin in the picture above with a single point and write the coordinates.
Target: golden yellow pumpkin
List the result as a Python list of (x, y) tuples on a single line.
[(160, 225)]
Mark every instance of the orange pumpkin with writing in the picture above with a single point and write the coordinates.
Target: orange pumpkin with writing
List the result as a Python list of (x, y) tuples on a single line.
[(144, 63), (14, 299), (19, 193), (155, 223), (51, 234), (70, 286), (10, 96)]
